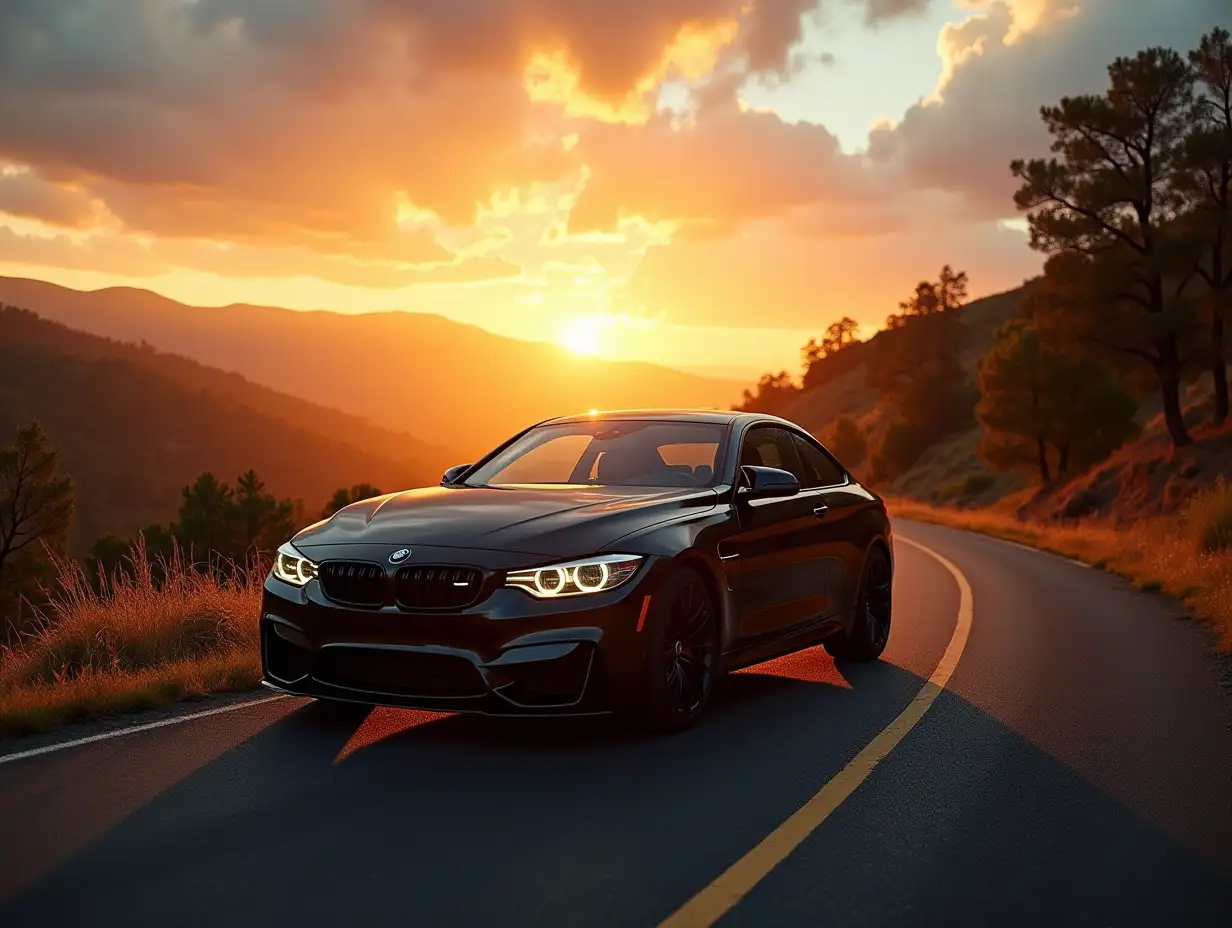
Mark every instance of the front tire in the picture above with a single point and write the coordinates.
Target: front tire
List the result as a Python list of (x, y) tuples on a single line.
[(870, 626), (682, 654)]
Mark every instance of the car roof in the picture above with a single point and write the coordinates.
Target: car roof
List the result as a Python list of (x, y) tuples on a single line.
[(719, 416)]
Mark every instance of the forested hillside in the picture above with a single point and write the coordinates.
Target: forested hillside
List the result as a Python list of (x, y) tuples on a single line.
[(135, 426)]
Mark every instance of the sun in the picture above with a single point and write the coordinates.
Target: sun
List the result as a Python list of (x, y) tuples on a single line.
[(582, 336)]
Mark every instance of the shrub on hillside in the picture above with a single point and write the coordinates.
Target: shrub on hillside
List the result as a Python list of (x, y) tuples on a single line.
[(847, 442), (773, 394), (1208, 517), (1043, 410), (975, 484), (900, 448)]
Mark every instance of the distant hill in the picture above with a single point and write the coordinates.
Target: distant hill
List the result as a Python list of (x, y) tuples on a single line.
[(1146, 477), (843, 391), (135, 425), (447, 383)]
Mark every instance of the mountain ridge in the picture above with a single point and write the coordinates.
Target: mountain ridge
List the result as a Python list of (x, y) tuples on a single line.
[(381, 366)]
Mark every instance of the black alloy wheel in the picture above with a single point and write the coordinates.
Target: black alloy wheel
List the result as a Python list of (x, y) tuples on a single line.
[(870, 628), (682, 653)]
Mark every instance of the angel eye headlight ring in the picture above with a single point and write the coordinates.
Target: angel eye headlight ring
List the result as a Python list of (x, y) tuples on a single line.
[(579, 577)]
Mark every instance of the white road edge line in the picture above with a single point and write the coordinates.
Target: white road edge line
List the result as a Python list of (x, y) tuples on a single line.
[(134, 729), (1016, 544)]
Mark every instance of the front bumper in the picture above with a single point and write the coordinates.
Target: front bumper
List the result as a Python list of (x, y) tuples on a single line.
[(510, 654)]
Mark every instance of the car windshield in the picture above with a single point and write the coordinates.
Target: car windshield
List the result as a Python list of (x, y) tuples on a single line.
[(609, 452)]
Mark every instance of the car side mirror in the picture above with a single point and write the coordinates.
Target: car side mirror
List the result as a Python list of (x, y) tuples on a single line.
[(766, 482), (454, 473)]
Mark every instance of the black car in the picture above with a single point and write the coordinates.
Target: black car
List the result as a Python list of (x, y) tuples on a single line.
[(613, 562)]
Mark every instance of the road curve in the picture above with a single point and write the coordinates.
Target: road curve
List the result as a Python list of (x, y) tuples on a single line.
[(1075, 770)]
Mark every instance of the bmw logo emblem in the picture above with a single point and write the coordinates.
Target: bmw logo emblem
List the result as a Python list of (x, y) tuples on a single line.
[(400, 555)]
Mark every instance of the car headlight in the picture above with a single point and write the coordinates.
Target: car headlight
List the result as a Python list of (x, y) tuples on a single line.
[(576, 578), (292, 567)]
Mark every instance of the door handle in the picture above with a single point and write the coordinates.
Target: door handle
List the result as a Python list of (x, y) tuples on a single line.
[(821, 511)]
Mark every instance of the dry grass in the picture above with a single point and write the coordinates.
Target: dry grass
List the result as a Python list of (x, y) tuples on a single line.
[(1188, 555), (1210, 524), (139, 642)]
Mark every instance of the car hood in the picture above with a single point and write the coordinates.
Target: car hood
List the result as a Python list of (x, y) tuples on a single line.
[(565, 520)]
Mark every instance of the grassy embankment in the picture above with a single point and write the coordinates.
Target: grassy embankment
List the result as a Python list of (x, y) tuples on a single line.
[(139, 645), (134, 645), (1187, 555)]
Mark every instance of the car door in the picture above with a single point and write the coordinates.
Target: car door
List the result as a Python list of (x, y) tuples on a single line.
[(832, 542), (781, 582)]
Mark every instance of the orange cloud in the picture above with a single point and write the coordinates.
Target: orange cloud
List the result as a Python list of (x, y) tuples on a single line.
[(551, 77), (24, 193), (772, 278), (1003, 21), (1027, 15), (121, 254), (729, 166)]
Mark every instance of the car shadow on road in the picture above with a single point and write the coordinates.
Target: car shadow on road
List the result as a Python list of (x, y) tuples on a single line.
[(464, 820), (742, 696)]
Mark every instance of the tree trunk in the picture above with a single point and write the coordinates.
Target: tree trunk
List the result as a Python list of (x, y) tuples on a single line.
[(1063, 465), (1219, 364), (1169, 370), (1041, 451)]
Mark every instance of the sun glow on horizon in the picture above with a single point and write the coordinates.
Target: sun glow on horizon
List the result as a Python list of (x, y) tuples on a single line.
[(583, 335)]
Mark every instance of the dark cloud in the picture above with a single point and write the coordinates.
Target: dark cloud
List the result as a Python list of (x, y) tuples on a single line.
[(989, 114), (771, 31), (25, 194), (878, 11)]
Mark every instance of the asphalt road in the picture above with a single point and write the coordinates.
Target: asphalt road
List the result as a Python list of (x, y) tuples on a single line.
[(1076, 770)]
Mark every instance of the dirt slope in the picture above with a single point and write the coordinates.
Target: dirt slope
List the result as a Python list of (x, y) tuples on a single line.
[(1147, 477)]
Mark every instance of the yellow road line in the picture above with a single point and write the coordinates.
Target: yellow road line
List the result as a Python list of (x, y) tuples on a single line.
[(713, 902)]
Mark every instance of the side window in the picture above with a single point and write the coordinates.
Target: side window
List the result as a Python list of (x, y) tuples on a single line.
[(767, 446), (820, 470)]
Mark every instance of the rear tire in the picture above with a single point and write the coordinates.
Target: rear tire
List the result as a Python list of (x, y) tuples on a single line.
[(682, 654), (870, 625)]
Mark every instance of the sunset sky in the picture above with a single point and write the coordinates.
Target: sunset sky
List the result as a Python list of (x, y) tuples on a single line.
[(699, 183)]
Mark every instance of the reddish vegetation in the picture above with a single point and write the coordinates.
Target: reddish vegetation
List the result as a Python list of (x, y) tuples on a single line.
[(1147, 477)]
